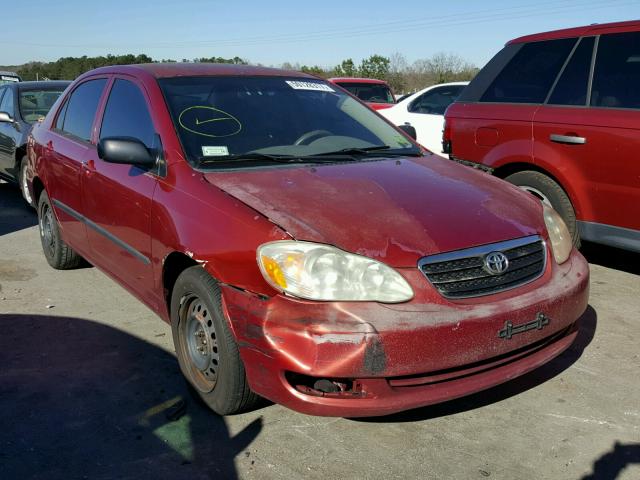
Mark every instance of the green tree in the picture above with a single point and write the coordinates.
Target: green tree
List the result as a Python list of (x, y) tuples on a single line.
[(376, 66), (346, 69)]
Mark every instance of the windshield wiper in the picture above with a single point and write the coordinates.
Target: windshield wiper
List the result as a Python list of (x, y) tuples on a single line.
[(368, 150), (265, 157)]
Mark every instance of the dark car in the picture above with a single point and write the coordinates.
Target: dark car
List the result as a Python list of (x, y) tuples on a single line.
[(558, 114), (9, 77), (301, 247), (21, 105)]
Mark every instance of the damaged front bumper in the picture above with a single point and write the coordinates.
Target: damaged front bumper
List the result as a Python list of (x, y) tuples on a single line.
[(364, 359)]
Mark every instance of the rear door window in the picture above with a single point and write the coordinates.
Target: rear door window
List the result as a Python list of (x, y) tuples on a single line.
[(572, 85), (436, 101), (127, 115), (80, 109), (616, 77), (529, 75)]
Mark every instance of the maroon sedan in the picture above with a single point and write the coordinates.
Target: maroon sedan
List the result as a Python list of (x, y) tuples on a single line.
[(302, 248)]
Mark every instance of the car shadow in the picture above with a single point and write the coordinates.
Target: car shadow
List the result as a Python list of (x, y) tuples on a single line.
[(16, 214), (611, 257), (588, 324), (79, 399), (610, 465)]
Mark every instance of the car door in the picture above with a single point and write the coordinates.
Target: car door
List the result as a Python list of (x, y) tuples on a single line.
[(426, 114), (9, 131), (591, 130), (118, 197), (69, 146)]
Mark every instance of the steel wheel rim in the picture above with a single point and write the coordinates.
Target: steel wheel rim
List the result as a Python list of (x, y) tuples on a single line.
[(537, 193), (46, 230), (200, 344), (25, 186)]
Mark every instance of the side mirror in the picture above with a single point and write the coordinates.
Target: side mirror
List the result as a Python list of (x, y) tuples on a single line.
[(409, 130), (5, 117), (125, 150)]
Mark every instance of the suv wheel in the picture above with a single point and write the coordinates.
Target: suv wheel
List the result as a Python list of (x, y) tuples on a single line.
[(549, 193), (206, 349), (58, 254)]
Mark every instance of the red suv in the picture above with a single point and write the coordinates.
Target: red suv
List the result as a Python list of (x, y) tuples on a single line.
[(301, 247), (558, 114), (375, 93)]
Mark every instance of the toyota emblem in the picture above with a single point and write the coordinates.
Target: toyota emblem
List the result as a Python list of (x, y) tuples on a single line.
[(496, 263)]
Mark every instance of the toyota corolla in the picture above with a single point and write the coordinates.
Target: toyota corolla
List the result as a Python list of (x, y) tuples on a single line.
[(302, 248)]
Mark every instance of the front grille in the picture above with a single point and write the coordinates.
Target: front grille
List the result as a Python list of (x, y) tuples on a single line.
[(465, 273)]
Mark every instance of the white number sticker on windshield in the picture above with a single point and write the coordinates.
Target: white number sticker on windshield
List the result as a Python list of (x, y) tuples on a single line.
[(219, 151), (299, 85)]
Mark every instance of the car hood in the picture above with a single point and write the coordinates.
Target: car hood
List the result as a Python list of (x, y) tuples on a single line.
[(394, 210)]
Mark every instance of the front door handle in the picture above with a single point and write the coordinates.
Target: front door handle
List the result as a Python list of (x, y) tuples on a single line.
[(571, 139)]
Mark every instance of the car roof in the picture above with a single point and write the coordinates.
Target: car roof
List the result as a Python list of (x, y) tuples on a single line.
[(42, 84), (167, 70), (594, 29), (357, 80)]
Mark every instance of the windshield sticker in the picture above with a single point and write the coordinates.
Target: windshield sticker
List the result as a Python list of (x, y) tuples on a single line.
[(209, 122), (320, 87), (209, 151)]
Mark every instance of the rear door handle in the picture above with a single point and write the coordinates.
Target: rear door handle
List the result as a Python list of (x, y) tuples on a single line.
[(571, 139)]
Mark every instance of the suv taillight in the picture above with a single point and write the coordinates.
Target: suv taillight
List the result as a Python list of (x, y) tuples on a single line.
[(446, 136)]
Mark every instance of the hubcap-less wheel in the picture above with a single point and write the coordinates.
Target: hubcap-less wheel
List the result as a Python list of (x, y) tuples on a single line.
[(199, 336), (24, 186), (46, 230), (537, 193)]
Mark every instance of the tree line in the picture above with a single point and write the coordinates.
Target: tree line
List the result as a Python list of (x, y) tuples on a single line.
[(402, 76)]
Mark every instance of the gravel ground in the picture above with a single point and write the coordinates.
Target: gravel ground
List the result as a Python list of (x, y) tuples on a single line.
[(89, 388)]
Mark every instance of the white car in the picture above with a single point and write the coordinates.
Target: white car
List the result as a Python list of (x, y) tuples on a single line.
[(424, 110)]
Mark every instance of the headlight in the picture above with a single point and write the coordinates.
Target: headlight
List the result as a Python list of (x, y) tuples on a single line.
[(561, 243), (322, 272)]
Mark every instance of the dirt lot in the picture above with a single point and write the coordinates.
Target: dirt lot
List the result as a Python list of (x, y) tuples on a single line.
[(89, 388)]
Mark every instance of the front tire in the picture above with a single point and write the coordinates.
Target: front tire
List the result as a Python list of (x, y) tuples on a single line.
[(549, 193), (58, 254), (22, 180), (205, 346)]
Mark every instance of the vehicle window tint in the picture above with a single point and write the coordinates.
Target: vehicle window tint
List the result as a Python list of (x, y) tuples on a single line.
[(60, 119), (529, 75), (571, 88), (81, 108), (2, 90), (7, 103), (369, 92), (127, 115), (617, 71), (436, 101)]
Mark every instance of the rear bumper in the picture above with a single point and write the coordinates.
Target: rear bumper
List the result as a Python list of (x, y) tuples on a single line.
[(398, 357)]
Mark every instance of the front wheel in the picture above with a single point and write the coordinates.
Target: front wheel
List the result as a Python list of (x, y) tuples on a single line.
[(206, 349), (58, 254), (24, 186), (549, 193)]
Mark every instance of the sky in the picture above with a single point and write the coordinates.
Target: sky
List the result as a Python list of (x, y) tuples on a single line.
[(318, 32)]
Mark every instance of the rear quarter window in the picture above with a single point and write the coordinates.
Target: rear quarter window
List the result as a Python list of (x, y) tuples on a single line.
[(616, 77), (529, 75)]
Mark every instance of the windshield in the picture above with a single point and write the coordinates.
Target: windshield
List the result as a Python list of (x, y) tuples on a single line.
[(222, 117), (369, 92), (4, 79), (35, 104)]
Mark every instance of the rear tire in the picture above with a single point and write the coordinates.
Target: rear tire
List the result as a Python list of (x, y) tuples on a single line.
[(550, 193), (58, 254), (205, 346)]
